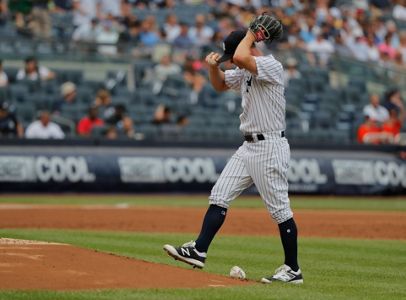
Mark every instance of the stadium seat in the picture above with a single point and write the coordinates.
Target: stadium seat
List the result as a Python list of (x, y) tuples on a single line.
[(99, 131), (84, 95), (19, 93), (25, 112), (75, 76), (322, 119), (4, 94)]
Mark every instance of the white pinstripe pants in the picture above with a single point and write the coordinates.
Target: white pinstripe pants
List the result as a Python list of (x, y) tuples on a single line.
[(264, 163)]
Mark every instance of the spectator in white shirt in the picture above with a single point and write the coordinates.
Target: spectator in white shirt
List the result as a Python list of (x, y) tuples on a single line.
[(171, 28), (359, 48), (3, 76), (161, 72), (110, 7), (200, 34), (320, 50), (32, 71), (44, 128), (87, 32), (84, 11), (399, 10), (376, 111), (108, 35), (373, 53)]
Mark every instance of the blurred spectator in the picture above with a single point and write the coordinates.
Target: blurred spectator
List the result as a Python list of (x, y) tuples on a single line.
[(103, 99), (194, 79), (3, 76), (359, 48), (44, 128), (87, 32), (182, 121), (341, 48), (84, 11), (393, 100), (111, 133), (161, 72), (372, 50), (40, 20), (68, 97), (369, 132), (162, 115), (149, 36), (108, 36), (291, 70), (3, 12), (320, 50), (32, 71), (386, 47), (87, 123), (132, 34), (20, 9), (121, 121), (376, 111), (399, 10), (393, 125), (9, 126), (171, 27), (110, 8), (402, 46), (183, 40), (308, 30), (200, 34)]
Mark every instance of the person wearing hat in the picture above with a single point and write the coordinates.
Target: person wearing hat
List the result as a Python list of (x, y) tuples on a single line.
[(68, 97), (263, 159)]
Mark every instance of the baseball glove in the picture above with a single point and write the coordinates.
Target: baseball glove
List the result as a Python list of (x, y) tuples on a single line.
[(266, 28)]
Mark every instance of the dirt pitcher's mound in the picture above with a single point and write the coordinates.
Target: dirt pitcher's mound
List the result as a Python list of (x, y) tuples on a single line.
[(39, 265)]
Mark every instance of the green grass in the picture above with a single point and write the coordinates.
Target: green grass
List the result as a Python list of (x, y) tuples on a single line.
[(328, 202), (333, 268)]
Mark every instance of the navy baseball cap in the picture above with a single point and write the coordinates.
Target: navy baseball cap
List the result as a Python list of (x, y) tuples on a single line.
[(231, 43)]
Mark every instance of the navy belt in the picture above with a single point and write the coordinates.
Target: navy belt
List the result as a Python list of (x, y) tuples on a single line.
[(250, 138)]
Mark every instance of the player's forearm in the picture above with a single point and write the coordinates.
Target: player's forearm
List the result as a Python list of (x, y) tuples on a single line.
[(217, 79), (242, 55)]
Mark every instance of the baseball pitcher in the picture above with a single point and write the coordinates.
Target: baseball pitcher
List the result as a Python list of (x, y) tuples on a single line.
[(263, 159)]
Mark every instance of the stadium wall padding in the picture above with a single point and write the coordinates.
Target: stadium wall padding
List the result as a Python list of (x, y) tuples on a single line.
[(190, 170)]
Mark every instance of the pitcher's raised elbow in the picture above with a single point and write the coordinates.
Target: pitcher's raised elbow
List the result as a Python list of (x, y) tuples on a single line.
[(238, 59)]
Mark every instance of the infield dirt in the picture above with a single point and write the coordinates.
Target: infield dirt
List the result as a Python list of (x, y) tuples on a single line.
[(240, 221)]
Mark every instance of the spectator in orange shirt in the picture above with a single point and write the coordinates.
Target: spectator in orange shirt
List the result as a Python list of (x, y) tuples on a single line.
[(392, 126), (87, 123), (369, 132)]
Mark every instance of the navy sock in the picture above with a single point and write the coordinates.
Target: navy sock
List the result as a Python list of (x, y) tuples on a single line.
[(288, 232), (212, 222)]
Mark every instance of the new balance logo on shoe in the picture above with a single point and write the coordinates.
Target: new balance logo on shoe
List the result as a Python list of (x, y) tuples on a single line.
[(285, 274), (187, 253)]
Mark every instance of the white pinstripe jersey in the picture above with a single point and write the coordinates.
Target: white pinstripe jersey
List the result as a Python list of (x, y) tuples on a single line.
[(263, 100)]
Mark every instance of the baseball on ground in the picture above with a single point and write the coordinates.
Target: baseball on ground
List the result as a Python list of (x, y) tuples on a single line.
[(237, 272)]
